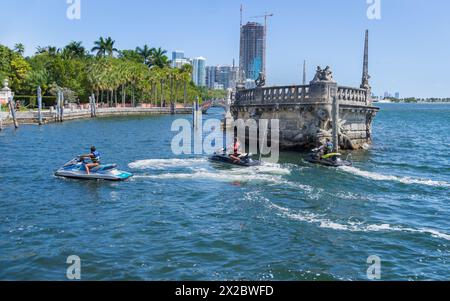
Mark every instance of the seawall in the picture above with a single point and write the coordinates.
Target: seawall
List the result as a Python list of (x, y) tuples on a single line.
[(49, 116)]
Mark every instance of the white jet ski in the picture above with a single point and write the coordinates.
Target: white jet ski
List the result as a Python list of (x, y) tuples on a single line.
[(76, 169)]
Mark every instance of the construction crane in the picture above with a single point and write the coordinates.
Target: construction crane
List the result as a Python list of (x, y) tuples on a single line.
[(265, 16)]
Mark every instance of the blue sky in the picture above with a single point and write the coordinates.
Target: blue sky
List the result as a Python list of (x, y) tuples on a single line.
[(409, 45)]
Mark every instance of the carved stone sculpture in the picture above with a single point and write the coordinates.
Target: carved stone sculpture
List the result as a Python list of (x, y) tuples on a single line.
[(325, 75), (261, 80)]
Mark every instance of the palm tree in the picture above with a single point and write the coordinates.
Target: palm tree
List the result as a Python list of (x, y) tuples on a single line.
[(51, 50), (162, 74), (75, 49), (146, 53), (104, 47), (159, 58), (186, 74), (19, 48)]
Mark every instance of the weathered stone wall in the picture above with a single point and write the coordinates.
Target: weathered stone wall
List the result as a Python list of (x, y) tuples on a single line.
[(305, 115)]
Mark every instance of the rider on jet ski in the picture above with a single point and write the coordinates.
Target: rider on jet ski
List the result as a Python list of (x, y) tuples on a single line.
[(325, 149), (94, 155), (235, 155)]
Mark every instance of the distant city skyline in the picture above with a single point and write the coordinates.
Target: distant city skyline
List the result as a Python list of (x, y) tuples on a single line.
[(409, 45)]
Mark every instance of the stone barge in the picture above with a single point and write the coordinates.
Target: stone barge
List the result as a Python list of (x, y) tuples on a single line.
[(305, 111)]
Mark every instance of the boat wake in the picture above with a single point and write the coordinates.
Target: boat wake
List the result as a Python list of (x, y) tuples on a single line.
[(165, 163), (203, 174), (323, 222), (380, 177), (198, 163)]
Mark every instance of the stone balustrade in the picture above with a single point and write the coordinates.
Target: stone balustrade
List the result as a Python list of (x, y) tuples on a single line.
[(273, 95), (297, 94), (353, 96)]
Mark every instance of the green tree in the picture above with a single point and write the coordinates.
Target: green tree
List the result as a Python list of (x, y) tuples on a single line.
[(130, 55), (19, 48), (51, 50), (104, 47), (146, 53), (74, 50), (159, 58), (14, 67)]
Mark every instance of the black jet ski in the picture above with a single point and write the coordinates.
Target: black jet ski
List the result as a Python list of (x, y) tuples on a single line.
[(331, 160), (244, 160)]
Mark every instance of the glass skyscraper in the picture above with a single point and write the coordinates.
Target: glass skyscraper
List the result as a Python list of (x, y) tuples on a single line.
[(252, 50), (177, 55), (199, 71)]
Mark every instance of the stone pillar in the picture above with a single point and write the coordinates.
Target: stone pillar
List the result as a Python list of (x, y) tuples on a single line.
[(228, 117), (7, 98), (258, 95), (322, 91), (5, 94), (365, 74), (335, 122), (39, 99), (323, 87)]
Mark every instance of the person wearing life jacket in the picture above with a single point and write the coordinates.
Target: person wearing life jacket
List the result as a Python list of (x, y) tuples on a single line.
[(94, 155), (324, 149), (236, 154), (328, 147)]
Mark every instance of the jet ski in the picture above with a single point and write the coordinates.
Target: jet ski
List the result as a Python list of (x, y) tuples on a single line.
[(244, 160), (76, 169), (331, 160)]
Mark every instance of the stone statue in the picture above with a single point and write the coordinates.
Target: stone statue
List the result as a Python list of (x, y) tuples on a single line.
[(5, 83), (318, 74), (327, 74), (365, 82), (261, 80), (323, 75)]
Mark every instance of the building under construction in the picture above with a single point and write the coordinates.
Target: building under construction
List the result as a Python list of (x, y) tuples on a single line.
[(252, 50)]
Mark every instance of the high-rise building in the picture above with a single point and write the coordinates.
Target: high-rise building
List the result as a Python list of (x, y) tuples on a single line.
[(211, 76), (178, 63), (178, 59), (225, 76), (199, 71), (252, 50), (218, 86), (397, 95), (176, 55)]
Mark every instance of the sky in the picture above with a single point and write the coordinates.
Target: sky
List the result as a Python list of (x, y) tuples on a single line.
[(409, 44)]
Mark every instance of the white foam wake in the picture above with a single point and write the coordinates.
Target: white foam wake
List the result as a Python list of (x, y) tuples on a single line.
[(265, 168), (203, 174), (194, 164), (308, 217), (380, 177), (165, 163)]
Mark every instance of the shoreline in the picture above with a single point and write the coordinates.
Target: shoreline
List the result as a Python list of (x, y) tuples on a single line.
[(49, 116)]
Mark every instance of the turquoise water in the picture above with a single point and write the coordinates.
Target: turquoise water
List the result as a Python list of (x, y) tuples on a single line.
[(184, 218)]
